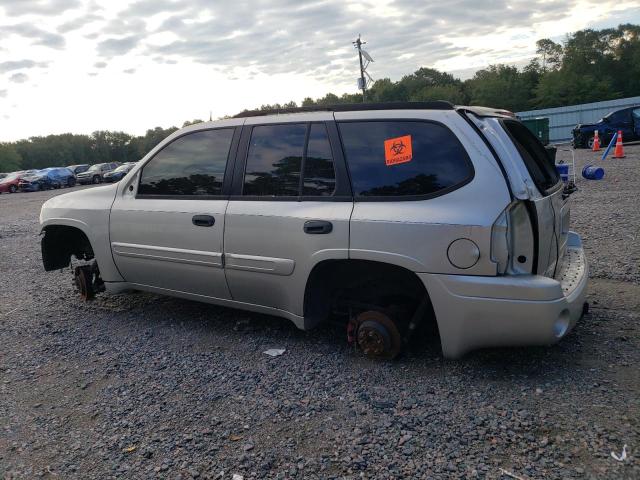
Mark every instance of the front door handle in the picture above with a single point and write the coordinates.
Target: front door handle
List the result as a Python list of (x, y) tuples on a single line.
[(203, 220), (317, 227)]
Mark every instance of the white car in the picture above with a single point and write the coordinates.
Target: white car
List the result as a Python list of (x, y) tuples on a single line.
[(392, 214)]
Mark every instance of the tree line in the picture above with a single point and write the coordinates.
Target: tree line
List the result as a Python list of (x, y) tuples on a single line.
[(588, 66)]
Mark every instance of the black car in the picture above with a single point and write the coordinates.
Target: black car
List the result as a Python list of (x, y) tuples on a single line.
[(118, 174), (76, 169), (95, 173), (627, 120)]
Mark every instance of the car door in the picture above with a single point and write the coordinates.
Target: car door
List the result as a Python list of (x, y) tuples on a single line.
[(635, 114), (167, 221), (622, 121), (289, 210)]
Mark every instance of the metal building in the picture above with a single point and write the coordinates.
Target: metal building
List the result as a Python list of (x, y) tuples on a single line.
[(563, 119)]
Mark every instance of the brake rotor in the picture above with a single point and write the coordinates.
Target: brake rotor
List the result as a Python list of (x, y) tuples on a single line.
[(377, 335), (83, 279)]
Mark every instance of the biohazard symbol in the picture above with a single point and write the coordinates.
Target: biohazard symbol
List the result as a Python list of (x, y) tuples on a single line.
[(398, 150)]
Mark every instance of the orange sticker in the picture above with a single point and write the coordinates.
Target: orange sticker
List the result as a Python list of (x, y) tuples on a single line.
[(397, 150)]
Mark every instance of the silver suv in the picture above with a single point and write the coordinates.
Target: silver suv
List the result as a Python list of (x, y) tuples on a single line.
[(387, 214)]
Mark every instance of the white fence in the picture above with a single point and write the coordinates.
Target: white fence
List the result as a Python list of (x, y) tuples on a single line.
[(563, 119)]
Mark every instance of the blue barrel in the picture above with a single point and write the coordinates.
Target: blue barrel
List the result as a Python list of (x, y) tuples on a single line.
[(563, 171), (591, 172)]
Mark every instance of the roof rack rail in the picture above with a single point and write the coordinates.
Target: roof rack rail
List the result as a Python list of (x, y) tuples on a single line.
[(352, 107)]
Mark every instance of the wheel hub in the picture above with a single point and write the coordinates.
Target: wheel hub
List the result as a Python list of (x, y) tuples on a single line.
[(84, 282), (377, 335)]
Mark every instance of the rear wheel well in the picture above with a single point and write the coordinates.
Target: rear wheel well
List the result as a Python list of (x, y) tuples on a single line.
[(60, 242), (349, 286)]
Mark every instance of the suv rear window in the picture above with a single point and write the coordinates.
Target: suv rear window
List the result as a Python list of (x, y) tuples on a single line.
[(403, 158), (538, 162)]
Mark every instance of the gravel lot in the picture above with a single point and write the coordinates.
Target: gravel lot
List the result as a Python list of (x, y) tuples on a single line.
[(144, 386)]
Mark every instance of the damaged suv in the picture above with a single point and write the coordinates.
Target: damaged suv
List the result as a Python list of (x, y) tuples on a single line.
[(390, 214)]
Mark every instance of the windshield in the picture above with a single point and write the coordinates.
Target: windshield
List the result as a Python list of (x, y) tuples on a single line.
[(122, 168), (95, 168), (11, 176)]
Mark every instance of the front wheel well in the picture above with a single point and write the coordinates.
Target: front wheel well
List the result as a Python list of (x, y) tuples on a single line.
[(353, 285), (60, 242)]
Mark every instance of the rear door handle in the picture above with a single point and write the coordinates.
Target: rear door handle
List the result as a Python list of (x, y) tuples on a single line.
[(203, 220), (317, 227)]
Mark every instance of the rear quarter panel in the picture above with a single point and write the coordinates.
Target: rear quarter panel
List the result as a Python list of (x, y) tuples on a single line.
[(417, 234)]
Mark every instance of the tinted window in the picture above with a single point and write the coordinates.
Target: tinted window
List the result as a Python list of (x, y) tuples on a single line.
[(403, 158), (535, 156), (622, 116), (319, 175), (274, 159), (191, 165), (636, 114)]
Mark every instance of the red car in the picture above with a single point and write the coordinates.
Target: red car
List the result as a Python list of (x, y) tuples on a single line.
[(10, 182)]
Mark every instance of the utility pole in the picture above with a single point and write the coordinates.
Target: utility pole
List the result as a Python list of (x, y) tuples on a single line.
[(363, 85)]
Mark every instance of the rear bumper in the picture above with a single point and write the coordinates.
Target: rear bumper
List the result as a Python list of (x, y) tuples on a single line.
[(475, 312)]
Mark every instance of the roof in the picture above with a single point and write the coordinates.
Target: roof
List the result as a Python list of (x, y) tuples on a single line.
[(352, 107)]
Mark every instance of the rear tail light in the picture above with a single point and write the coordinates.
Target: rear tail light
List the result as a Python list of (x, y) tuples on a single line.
[(512, 241)]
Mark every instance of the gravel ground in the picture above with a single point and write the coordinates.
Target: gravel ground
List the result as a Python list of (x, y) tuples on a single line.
[(144, 386)]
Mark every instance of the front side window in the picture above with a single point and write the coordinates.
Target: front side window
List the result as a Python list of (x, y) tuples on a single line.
[(622, 116), (403, 158), (193, 164)]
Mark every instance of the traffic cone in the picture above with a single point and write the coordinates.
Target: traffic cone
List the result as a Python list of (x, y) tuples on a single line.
[(596, 142), (619, 151)]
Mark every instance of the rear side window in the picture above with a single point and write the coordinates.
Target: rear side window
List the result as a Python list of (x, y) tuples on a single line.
[(277, 156), (319, 175), (403, 158), (535, 156), (193, 164)]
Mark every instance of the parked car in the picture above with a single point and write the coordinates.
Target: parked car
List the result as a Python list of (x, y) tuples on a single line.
[(9, 184), (118, 174), (61, 177), (95, 173), (76, 169), (38, 180), (371, 212), (627, 120), (46, 179)]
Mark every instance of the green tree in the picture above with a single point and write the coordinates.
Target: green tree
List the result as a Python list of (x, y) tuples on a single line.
[(550, 54), (10, 159), (501, 86)]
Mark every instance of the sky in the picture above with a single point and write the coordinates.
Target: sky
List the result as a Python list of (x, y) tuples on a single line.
[(84, 65)]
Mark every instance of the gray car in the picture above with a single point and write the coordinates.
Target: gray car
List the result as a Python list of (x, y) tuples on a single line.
[(386, 215), (95, 173)]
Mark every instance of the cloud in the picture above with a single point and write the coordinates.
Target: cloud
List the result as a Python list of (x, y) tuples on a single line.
[(37, 35), (3, 93), (78, 23), (19, 77), (20, 65), (129, 71), (100, 64), (118, 46), (14, 8)]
